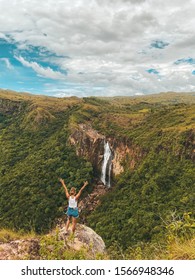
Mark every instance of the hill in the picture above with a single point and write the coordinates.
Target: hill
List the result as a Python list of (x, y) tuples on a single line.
[(152, 180)]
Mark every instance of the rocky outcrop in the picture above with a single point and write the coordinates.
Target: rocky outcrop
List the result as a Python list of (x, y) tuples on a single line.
[(29, 249), (189, 145), (20, 250), (84, 237)]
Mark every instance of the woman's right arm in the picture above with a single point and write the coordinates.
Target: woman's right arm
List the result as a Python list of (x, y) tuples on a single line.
[(79, 193), (65, 188)]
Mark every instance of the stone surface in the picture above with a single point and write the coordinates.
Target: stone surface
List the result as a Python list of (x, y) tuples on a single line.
[(20, 249), (28, 249), (89, 144), (84, 237), (124, 154)]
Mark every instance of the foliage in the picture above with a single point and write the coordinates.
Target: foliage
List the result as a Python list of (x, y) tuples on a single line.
[(178, 244), (181, 229), (143, 198), (31, 161), (35, 151)]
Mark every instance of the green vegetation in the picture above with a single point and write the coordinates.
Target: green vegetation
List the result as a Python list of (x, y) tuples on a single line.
[(143, 199), (135, 216), (178, 244), (32, 158)]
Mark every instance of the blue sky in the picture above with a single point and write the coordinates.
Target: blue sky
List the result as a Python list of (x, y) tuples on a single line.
[(28, 70), (105, 48)]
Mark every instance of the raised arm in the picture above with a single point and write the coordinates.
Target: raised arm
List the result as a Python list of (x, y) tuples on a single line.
[(79, 193), (65, 188)]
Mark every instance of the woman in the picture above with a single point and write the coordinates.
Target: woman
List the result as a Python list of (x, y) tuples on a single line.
[(72, 211)]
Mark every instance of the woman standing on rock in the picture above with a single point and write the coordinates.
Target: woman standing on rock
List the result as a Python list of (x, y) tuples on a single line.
[(72, 204)]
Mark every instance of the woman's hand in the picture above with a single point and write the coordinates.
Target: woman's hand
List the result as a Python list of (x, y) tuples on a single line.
[(61, 180), (63, 183), (86, 183)]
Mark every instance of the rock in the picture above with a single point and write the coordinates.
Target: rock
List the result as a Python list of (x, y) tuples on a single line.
[(20, 249), (84, 237), (88, 144), (29, 249), (125, 154)]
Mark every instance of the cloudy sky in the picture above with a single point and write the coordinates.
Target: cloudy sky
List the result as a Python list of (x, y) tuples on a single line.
[(97, 47)]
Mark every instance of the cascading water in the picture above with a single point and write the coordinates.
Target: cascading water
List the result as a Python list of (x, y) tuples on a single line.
[(107, 165)]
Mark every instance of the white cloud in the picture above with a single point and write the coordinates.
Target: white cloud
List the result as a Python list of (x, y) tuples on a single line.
[(44, 72), (108, 42), (7, 63), (2, 36)]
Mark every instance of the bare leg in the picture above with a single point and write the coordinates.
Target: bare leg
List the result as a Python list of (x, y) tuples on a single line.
[(74, 222), (67, 223)]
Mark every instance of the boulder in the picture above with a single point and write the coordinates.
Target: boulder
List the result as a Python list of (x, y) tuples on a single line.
[(84, 237), (20, 249), (28, 249)]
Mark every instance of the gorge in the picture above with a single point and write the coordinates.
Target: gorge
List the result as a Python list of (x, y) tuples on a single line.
[(143, 148)]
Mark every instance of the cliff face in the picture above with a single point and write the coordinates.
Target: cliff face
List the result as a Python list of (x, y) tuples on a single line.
[(9, 106), (90, 144), (124, 154)]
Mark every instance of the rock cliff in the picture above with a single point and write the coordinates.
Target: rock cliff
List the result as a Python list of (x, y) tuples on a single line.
[(89, 143), (125, 154)]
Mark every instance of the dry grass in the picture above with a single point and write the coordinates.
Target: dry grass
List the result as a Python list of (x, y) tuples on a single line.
[(46, 102), (163, 98), (7, 235), (182, 250)]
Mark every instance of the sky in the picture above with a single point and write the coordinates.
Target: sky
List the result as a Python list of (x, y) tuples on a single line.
[(83, 48)]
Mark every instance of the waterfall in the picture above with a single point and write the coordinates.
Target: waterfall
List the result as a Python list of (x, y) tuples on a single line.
[(107, 165)]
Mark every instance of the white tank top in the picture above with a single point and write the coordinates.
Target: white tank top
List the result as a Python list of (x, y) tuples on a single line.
[(72, 202)]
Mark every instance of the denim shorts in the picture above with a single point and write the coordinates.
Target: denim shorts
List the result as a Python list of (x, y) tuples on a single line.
[(72, 212)]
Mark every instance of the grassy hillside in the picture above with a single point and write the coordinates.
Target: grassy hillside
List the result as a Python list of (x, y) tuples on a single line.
[(34, 150), (161, 98)]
